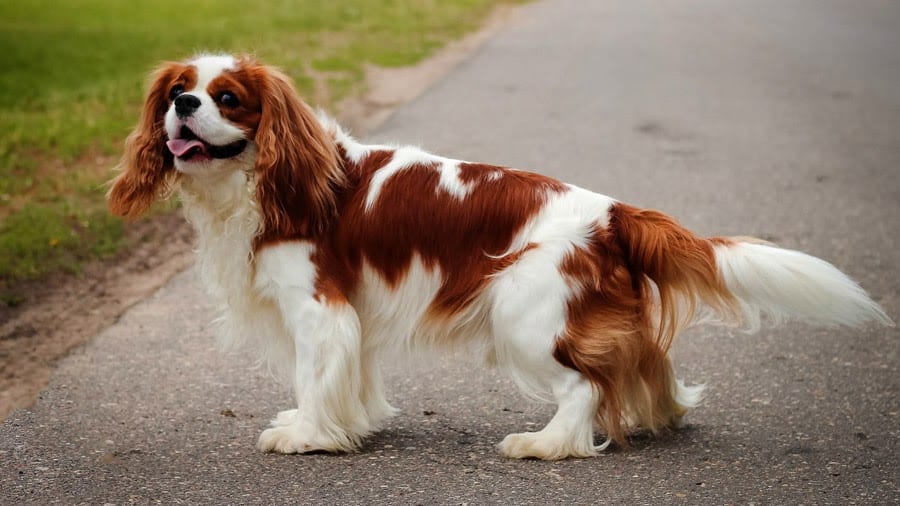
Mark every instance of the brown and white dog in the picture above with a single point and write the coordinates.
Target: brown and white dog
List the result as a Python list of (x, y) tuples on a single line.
[(325, 254)]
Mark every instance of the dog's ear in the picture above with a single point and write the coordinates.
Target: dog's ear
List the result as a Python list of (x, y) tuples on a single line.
[(298, 171), (147, 168)]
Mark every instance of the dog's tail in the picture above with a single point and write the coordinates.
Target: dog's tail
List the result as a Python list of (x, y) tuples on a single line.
[(780, 284), (673, 278), (744, 281)]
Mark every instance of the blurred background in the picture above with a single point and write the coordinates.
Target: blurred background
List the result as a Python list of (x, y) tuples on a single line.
[(73, 75)]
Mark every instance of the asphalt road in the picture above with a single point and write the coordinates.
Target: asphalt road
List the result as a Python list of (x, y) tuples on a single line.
[(770, 118)]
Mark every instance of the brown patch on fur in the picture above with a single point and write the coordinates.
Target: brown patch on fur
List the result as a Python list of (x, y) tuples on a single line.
[(338, 270), (147, 167), (241, 83), (360, 173), (617, 335), (682, 265), (328, 291), (413, 216)]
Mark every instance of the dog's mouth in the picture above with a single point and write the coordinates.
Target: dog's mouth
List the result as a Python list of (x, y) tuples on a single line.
[(190, 147)]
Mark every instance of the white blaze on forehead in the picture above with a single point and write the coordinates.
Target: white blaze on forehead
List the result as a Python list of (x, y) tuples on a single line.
[(210, 67)]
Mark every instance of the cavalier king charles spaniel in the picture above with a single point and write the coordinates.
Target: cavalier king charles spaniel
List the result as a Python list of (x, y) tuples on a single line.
[(325, 254)]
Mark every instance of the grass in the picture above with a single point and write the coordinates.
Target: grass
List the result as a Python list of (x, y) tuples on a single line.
[(74, 74)]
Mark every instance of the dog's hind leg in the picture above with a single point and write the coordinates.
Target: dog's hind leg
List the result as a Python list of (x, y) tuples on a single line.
[(528, 313), (570, 433)]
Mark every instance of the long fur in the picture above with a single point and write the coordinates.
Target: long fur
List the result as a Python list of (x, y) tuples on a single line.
[(326, 255), (298, 171), (147, 165), (779, 284)]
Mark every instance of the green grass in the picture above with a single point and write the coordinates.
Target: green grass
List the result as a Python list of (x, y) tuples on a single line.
[(73, 75)]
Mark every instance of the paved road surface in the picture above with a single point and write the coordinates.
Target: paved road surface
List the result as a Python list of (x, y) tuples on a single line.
[(777, 119)]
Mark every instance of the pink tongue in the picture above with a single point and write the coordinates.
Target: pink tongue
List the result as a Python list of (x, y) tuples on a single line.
[(179, 147)]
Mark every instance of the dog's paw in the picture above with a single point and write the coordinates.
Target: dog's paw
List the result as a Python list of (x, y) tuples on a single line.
[(290, 432), (539, 445), (290, 438), (526, 445)]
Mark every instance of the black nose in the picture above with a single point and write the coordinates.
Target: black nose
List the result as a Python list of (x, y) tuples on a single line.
[(185, 104)]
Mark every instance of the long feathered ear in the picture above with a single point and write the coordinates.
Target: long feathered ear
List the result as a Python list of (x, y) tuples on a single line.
[(298, 171), (147, 165)]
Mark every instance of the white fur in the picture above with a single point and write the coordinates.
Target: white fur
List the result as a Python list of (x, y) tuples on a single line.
[(450, 181), (495, 175), (529, 311), (352, 149), (221, 208), (569, 216), (781, 283), (211, 66), (570, 432), (326, 339), (687, 397), (395, 322), (395, 316), (328, 350)]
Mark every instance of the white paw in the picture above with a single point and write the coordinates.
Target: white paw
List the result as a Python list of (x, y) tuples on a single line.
[(290, 439), (540, 445), (293, 433)]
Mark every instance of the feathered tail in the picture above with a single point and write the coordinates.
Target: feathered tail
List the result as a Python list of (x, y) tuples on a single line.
[(781, 284), (743, 280), (626, 323)]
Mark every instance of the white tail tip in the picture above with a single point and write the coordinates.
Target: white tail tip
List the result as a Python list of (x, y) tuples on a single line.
[(782, 284)]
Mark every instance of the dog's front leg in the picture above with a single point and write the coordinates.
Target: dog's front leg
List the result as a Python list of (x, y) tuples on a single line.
[(325, 331)]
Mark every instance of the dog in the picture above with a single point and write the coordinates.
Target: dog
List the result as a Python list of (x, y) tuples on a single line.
[(325, 254)]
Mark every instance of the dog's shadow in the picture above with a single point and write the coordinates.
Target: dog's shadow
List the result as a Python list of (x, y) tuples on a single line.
[(443, 436)]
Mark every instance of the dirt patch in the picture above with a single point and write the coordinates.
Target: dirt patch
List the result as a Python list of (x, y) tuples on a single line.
[(61, 312), (56, 314)]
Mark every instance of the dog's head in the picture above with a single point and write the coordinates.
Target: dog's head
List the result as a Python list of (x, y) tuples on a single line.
[(210, 113), (213, 115)]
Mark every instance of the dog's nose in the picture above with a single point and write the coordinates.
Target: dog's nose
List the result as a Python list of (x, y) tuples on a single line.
[(186, 104)]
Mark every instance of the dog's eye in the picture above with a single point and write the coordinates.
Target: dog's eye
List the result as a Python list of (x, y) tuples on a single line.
[(175, 91), (228, 99)]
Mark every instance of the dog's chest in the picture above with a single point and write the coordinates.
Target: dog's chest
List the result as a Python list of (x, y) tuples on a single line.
[(225, 251)]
